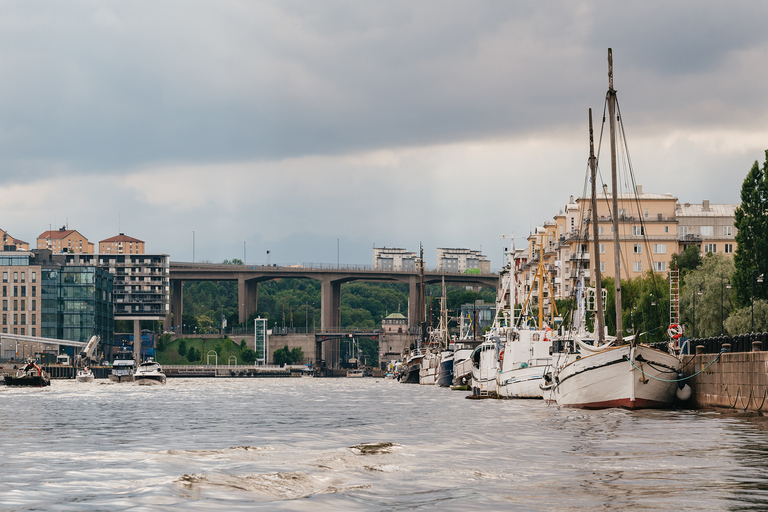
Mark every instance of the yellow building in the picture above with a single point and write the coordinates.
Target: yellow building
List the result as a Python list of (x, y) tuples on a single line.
[(64, 240), (12, 244), (21, 294), (121, 244)]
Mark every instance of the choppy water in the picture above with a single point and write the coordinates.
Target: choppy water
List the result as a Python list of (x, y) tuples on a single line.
[(361, 444)]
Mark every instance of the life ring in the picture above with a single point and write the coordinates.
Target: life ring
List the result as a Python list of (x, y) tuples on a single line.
[(501, 355), (675, 331)]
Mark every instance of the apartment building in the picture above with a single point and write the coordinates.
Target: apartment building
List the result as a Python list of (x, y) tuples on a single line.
[(709, 227), (21, 293), (65, 240), (12, 244), (394, 259), (460, 260), (121, 244)]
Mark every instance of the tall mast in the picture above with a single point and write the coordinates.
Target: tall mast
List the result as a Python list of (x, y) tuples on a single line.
[(540, 275), (611, 97), (598, 277)]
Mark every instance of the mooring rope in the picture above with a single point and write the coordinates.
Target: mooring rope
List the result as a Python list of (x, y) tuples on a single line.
[(684, 378)]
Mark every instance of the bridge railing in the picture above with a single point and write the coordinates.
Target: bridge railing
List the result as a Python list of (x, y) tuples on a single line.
[(319, 266)]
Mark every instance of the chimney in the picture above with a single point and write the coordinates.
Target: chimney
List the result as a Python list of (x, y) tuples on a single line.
[(639, 189), (705, 205)]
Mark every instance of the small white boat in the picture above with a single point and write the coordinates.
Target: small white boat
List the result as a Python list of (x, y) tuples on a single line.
[(84, 375), (122, 368), (149, 373), (356, 373)]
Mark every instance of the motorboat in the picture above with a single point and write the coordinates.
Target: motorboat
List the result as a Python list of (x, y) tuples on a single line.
[(28, 374), (122, 368), (84, 375), (410, 369), (445, 370), (523, 363), (148, 373), (355, 373)]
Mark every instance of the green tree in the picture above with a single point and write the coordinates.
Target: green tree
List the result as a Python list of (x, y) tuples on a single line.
[(182, 349), (297, 355), (711, 279), (740, 321), (193, 355), (282, 356), (690, 259), (248, 356), (751, 220)]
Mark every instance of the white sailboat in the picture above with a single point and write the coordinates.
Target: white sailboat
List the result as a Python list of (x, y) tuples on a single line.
[(599, 374)]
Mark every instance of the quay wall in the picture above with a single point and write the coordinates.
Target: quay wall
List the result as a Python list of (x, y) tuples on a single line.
[(736, 380)]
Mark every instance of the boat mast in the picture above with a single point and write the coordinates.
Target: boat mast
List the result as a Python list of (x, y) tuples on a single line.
[(611, 98), (598, 277)]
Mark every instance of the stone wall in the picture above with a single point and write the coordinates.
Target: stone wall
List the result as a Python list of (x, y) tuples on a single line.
[(305, 342), (736, 380)]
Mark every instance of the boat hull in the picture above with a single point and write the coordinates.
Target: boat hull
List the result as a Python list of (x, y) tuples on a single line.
[(84, 378), (149, 380), (411, 374), (626, 377), (28, 381), (120, 378), (445, 373), (522, 382)]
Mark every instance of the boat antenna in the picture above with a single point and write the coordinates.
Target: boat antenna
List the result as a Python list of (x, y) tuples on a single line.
[(598, 277), (611, 98)]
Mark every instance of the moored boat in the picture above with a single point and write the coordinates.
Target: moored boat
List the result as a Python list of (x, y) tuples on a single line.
[(122, 369)]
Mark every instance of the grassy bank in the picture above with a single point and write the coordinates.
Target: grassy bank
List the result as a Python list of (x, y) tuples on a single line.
[(224, 347)]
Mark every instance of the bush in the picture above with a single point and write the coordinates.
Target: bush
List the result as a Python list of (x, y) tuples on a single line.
[(243, 346), (193, 354), (163, 341)]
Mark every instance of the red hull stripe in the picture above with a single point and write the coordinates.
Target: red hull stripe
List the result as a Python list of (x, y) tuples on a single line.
[(625, 403)]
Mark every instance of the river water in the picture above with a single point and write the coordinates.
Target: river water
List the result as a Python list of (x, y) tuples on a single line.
[(362, 444)]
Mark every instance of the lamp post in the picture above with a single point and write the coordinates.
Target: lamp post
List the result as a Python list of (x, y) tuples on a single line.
[(268, 261), (695, 293), (759, 280), (722, 282)]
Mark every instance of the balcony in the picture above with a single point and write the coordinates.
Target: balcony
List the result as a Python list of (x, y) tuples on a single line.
[(690, 238), (579, 256)]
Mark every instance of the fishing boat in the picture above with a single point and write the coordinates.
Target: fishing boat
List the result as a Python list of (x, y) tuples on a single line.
[(84, 375), (28, 374), (149, 373), (600, 373), (409, 371)]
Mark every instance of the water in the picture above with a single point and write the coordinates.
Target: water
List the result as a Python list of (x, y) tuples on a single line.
[(361, 444)]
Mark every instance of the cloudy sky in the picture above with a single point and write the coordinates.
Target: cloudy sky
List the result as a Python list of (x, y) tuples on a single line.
[(304, 127)]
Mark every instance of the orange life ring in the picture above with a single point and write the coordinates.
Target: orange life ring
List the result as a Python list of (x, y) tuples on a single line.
[(501, 355), (675, 331)]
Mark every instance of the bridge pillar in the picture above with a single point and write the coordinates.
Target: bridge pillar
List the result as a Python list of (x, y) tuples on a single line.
[(247, 297), (177, 305), (330, 304), (414, 303)]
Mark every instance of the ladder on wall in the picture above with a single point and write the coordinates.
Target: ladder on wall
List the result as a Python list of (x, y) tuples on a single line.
[(674, 296)]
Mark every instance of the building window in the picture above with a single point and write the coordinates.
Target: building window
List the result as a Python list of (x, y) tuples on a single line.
[(602, 248), (23, 319), (666, 229), (638, 230), (707, 230), (15, 305), (602, 266), (34, 318), (5, 305), (727, 230), (23, 305), (600, 230), (33, 277), (15, 291), (5, 276), (5, 291), (23, 277), (24, 291), (637, 266), (34, 305), (708, 248), (34, 332), (5, 319), (622, 212), (22, 331), (637, 249), (684, 230), (728, 248), (646, 213), (660, 266), (14, 320), (34, 291), (15, 277), (659, 248)]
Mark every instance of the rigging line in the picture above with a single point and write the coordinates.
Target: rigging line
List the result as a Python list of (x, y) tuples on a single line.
[(684, 378)]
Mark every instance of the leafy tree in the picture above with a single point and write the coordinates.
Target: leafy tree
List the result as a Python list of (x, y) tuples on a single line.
[(182, 349), (740, 321), (711, 278), (242, 344), (162, 342), (297, 355), (751, 220), (282, 356), (193, 355), (248, 356), (688, 260)]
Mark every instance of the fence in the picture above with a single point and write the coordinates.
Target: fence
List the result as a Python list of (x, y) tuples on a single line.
[(738, 343)]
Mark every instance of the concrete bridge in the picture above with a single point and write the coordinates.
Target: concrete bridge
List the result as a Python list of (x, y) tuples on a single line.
[(331, 278)]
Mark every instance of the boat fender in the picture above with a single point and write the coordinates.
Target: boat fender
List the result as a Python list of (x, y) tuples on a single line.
[(683, 393), (680, 380), (523, 365)]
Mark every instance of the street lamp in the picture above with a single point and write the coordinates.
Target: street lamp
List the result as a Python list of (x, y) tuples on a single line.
[(695, 293), (268, 261), (759, 280), (722, 282)]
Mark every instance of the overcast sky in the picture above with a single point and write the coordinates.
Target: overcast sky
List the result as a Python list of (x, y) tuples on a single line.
[(297, 125)]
